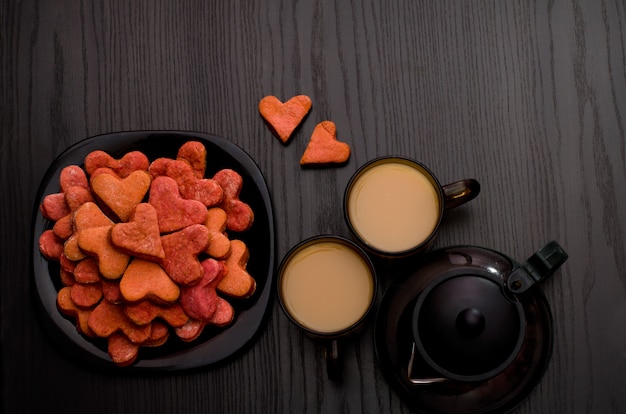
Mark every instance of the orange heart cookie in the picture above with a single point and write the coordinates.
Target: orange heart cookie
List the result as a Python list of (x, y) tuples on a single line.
[(140, 236), (237, 282), (284, 118), (219, 246), (69, 308), (324, 148), (144, 312), (107, 318), (121, 195), (86, 216), (147, 280), (96, 241)]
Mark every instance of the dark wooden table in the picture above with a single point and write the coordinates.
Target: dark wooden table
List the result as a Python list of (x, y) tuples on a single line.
[(527, 97)]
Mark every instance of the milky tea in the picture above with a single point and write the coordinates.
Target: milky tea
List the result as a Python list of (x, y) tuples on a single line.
[(393, 206), (326, 287)]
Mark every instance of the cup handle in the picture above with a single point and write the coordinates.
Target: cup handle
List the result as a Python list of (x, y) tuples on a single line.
[(460, 192), (334, 367)]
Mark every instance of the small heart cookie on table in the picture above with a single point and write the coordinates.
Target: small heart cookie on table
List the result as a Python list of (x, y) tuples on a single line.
[(324, 148), (284, 118)]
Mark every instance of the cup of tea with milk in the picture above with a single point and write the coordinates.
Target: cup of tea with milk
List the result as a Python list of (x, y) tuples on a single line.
[(327, 284), (394, 205), (327, 287)]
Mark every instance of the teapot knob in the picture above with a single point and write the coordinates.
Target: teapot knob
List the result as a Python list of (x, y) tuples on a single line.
[(470, 322)]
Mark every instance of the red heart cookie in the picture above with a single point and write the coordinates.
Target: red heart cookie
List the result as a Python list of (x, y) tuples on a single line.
[(205, 190), (181, 254), (174, 212), (123, 351), (200, 300), (140, 236), (194, 153), (72, 176), (131, 161), (324, 148), (284, 118), (86, 295), (239, 214)]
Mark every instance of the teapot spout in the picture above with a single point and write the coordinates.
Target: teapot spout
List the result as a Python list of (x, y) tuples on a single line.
[(537, 268)]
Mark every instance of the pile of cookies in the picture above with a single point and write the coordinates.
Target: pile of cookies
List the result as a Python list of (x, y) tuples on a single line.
[(144, 247)]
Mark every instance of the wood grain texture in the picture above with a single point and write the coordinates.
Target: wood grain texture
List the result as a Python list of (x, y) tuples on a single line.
[(527, 97)]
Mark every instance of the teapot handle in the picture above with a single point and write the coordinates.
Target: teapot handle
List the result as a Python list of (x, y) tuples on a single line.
[(537, 268)]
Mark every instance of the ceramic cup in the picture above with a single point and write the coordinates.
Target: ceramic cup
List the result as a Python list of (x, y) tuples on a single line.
[(394, 205), (327, 287)]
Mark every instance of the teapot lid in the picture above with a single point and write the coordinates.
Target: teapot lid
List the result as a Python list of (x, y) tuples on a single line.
[(466, 326)]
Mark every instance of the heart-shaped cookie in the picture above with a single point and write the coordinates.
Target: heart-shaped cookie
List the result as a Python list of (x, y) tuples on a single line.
[(131, 161), (324, 148), (96, 241), (107, 318), (284, 118), (147, 280), (205, 190), (174, 212), (219, 246), (140, 236), (86, 216), (181, 254), (239, 214), (194, 153), (69, 308), (237, 282), (146, 311), (200, 300), (121, 195)]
